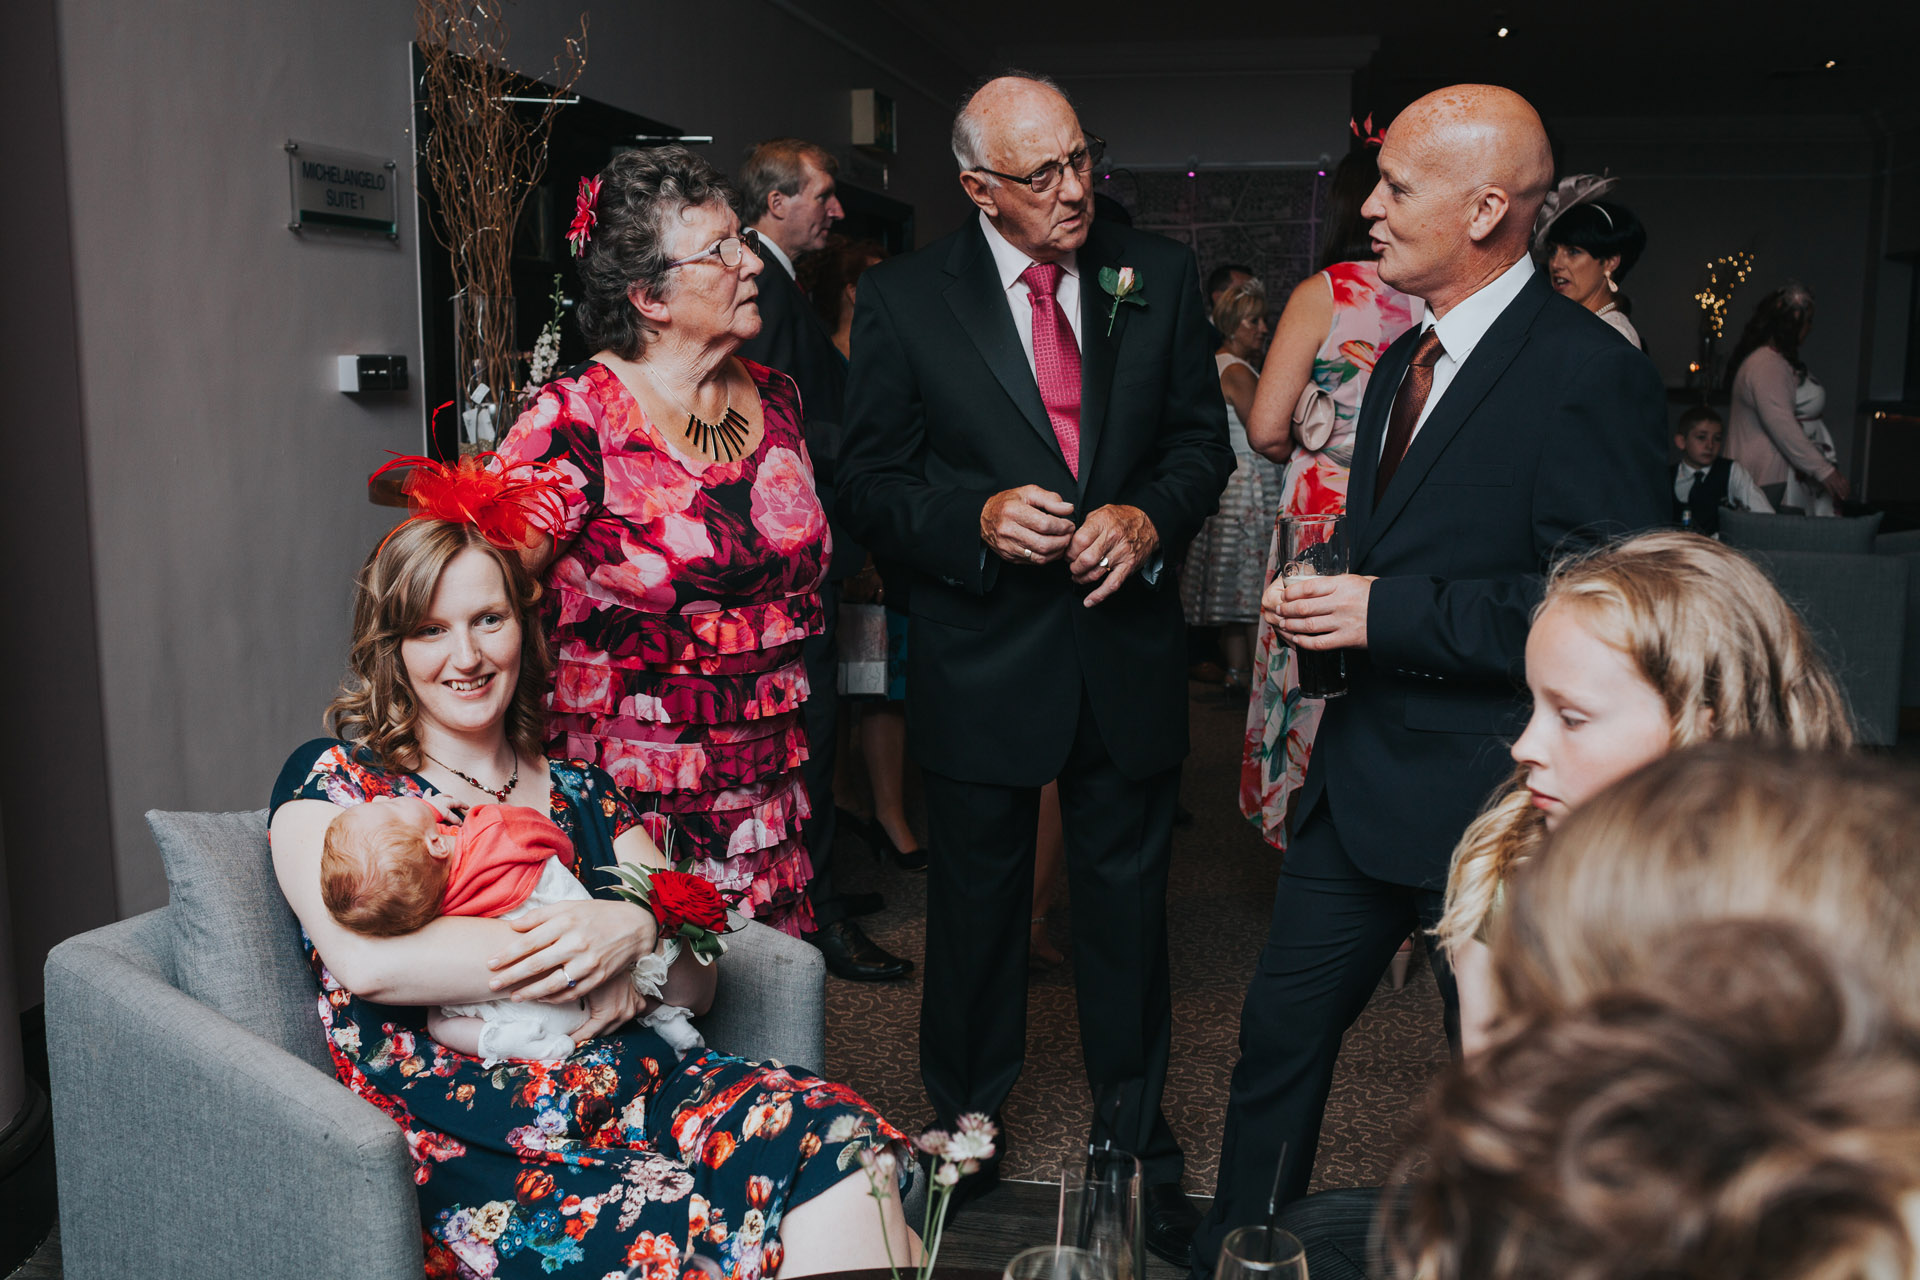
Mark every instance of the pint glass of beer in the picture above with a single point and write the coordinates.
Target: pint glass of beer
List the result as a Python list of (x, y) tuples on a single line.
[(1316, 546)]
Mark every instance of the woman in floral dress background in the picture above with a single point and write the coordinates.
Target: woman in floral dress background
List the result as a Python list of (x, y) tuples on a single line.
[(1336, 324)]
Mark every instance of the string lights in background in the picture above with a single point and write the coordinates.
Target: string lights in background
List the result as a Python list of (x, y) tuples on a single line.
[(1724, 275)]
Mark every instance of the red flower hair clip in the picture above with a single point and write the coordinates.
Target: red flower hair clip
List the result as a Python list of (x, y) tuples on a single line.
[(483, 490), (584, 215), (1366, 132)]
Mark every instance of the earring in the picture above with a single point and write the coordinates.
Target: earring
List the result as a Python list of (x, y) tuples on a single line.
[(1611, 286)]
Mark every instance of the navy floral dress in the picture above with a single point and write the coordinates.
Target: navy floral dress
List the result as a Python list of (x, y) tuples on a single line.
[(615, 1158)]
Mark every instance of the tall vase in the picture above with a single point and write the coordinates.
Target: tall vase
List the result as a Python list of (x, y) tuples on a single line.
[(486, 368)]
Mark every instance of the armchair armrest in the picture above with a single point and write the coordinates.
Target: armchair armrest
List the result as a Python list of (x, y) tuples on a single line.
[(771, 1001), (161, 1103)]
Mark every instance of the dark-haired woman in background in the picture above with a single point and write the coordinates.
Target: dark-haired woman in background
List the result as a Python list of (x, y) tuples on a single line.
[(1336, 324), (1765, 433), (1588, 245), (687, 572)]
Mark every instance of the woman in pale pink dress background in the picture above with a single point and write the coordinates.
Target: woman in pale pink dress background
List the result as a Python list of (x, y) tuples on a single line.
[(1335, 325)]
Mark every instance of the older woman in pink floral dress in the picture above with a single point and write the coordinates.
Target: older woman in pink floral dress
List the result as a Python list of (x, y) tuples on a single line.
[(685, 577), (1335, 325)]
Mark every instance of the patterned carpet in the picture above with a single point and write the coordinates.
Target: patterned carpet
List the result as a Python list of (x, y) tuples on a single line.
[(1222, 889)]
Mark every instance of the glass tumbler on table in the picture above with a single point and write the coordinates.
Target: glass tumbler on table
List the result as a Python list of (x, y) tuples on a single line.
[(1261, 1253), (1315, 547), (1056, 1262), (1102, 1211)]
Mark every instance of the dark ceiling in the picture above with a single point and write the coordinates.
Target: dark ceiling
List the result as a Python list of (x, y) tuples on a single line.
[(1587, 57)]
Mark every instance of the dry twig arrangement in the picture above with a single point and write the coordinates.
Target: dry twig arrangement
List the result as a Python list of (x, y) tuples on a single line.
[(483, 153)]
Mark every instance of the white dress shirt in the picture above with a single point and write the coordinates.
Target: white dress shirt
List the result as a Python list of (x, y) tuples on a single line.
[(1462, 329), (1742, 493), (778, 254), (1010, 262)]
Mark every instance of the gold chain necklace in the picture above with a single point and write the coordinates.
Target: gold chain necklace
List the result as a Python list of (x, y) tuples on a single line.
[(729, 435)]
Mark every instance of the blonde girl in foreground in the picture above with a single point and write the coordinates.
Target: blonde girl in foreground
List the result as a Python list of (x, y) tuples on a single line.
[(1638, 648)]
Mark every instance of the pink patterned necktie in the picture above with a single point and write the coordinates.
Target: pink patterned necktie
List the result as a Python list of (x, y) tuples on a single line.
[(1056, 359)]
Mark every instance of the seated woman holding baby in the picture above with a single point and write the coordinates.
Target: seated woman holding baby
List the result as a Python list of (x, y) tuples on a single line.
[(484, 986)]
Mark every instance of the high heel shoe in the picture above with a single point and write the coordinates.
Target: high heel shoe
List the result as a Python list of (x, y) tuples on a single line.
[(880, 843), (1041, 953), (1397, 967)]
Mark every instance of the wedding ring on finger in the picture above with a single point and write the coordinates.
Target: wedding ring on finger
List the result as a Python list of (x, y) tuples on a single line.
[(1106, 562), (1027, 552), (571, 982)]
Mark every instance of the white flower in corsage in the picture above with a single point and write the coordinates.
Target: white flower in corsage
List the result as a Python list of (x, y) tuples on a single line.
[(1122, 285)]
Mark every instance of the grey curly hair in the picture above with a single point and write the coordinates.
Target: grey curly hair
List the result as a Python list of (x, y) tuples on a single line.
[(639, 192)]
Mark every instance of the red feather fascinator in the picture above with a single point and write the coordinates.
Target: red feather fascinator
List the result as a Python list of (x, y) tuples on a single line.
[(506, 502)]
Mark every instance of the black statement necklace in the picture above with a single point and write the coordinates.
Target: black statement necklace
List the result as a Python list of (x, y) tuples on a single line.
[(728, 436), (500, 796)]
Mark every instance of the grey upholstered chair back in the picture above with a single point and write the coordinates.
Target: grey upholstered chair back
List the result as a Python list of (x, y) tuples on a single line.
[(237, 945)]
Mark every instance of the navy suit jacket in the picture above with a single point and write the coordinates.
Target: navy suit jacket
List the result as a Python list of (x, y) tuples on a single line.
[(793, 340), (1551, 436), (943, 413)]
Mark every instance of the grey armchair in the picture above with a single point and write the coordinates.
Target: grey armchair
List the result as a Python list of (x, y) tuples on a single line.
[(1854, 601), (199, 1130)]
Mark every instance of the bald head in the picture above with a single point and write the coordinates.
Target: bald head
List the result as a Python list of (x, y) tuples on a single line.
[(1463, 172), (1015, 125)]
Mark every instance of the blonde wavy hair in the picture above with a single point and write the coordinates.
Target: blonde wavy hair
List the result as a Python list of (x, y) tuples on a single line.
[(1707, 1056), (375, 708), (1244, 301), (1707, 629)]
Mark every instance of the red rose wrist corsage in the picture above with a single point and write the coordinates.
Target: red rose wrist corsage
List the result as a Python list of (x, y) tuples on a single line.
[(685, 906)]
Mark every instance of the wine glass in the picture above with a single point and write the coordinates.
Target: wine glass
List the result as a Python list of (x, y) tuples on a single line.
[(1056, 1262), (1261, 1253), (1101, 1211)]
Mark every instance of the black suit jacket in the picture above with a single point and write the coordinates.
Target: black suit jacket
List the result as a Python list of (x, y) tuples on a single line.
[(793, 340), (1552, 435), (943, 413)]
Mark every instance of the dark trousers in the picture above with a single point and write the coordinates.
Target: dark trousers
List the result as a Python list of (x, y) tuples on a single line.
[(1333, 931), (820, 655), (973, 1014)]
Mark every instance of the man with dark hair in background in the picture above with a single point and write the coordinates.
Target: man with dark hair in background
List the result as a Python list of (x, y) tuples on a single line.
[(787, 196)]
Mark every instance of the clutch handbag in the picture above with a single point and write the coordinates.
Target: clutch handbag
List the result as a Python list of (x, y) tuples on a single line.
[(1313, 417)]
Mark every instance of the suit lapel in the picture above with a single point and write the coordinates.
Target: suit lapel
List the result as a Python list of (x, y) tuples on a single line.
[(1099, 353), (980, 305), (1368, 436), (1491, 356)]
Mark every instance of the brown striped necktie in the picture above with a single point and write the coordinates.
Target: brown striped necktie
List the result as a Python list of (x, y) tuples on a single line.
[(1414, 391)]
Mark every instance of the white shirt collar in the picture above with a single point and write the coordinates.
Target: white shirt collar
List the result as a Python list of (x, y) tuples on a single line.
[(1010, 262), (1473, 315), (767, 243)]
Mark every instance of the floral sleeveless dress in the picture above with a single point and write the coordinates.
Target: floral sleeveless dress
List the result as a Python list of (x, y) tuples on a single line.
[(677, 608), (1367, 316), (613, 1158)]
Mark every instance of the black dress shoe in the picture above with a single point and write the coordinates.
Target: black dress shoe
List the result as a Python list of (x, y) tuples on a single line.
[(1171, 1221), (880, 843), (859, 904), (851, 954)]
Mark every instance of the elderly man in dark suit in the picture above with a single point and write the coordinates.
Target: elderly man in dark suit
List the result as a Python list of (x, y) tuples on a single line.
[(788, 199), (1509, 428), (1033, 425)]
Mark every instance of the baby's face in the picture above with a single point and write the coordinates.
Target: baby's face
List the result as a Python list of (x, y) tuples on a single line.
[(410, 814)]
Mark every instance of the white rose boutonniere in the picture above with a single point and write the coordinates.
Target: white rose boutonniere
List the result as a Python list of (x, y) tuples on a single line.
[(1122, 285)]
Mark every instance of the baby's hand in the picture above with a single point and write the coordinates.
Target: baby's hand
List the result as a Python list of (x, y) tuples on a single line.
[(447, 807)]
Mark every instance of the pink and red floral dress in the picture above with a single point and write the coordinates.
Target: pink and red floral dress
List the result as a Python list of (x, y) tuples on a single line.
[(1368, 315), (677, 608)]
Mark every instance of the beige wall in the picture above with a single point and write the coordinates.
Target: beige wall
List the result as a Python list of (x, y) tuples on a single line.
[(224, 477)]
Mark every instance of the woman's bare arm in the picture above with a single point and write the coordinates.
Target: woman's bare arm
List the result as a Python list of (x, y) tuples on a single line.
[(444, 963), (1237, 384), (1303, 327)]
